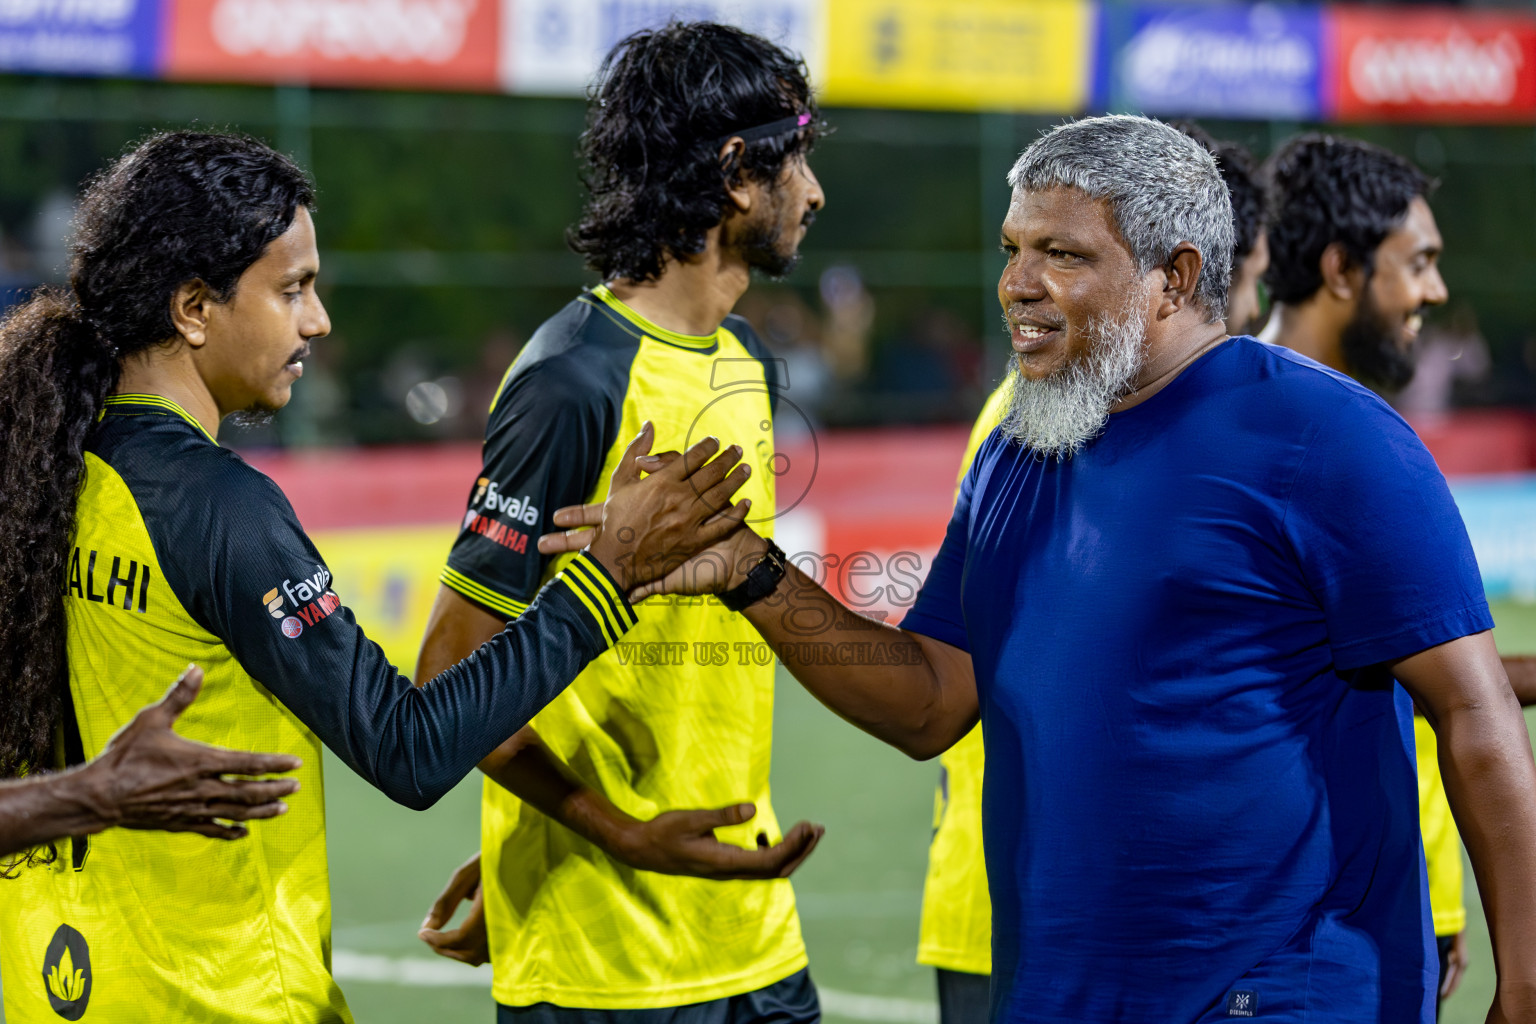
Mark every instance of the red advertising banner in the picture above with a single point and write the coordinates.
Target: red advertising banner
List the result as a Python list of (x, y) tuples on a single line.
[(1432, 64), (434, 44)]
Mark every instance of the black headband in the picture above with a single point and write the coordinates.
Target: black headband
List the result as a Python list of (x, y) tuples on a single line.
[(784, 124)]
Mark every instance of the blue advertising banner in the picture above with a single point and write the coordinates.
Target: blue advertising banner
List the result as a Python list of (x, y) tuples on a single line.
[(1259, 61), (1500, 513), (80, 37)]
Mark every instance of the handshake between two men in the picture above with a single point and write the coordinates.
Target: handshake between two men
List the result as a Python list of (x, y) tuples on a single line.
[(670, 525)]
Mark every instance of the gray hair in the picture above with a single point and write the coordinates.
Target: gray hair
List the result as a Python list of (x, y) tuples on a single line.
[(1163, 188)]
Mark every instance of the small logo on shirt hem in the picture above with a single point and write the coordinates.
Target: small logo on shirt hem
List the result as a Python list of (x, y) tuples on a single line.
[(67, 973), (1242, 1003)]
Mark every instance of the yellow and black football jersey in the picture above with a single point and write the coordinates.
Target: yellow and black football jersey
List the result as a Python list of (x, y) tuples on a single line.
[(956, 929), (1442, 843), (678, 715), (183, 553)]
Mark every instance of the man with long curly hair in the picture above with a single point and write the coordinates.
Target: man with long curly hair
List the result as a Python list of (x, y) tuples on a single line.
[(695, 155), (133, 543)]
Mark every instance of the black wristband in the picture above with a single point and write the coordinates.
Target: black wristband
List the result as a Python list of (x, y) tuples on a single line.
[(761, 581)]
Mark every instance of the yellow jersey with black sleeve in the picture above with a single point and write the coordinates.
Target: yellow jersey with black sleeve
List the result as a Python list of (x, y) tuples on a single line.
[(183, 553), (956, 929), (1442, 843), (679, 715)]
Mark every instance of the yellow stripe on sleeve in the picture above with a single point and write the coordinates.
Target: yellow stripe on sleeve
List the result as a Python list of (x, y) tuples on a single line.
[(612, 615), (481, 594), (605, 588), (591, 605)]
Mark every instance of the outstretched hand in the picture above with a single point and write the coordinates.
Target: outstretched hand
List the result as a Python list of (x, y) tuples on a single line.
[(663, 509), (684, 843), (150, 778), (468, 943), (1456, 962)]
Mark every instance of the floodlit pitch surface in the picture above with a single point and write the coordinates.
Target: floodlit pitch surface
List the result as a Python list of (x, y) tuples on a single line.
[(859, 893)]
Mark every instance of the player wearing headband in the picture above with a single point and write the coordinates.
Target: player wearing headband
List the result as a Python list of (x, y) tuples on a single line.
[(695, 155)]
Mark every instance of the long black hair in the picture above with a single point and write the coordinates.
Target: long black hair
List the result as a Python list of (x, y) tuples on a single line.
[(664, 102), (1329, 189), (178, 207)]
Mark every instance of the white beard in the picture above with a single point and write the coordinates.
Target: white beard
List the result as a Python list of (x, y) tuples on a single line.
[(1059, 414)]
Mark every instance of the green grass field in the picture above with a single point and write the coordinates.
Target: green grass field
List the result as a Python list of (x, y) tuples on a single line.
[(859, 894)]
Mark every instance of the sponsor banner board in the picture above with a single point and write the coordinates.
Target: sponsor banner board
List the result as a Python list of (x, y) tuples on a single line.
[(389, 579), (1500, 513), (1259, 61), (1432, 64), (553, 47), (432, 44), (80, 37), (959, 54)]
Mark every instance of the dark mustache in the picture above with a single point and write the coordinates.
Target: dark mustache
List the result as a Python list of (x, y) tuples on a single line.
[(808, 219)]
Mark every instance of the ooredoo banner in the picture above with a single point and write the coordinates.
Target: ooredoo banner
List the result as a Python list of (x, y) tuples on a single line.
[(1427, 64), (445, 44), (1259, 61), (80, 37), (553, 47)]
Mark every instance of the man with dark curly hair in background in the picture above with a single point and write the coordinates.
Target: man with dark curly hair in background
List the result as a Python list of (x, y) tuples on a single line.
[(1356, 265), (1250, 250), (1355, 257), (695, 155)]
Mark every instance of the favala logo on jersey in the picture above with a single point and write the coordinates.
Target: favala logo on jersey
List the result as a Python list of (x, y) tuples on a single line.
[(67, 973), (273, 599), (490, 500), (311, 598)]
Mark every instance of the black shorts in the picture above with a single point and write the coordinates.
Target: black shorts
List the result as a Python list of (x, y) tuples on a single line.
[(791, 1001), (964, 998)]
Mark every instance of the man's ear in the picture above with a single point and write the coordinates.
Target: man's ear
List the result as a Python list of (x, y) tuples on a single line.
[(736, 189), (189, 312), (1342, 276), (1182, 275)]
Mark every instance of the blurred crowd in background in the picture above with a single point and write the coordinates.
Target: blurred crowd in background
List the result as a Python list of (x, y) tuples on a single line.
[(442, 212), (443, 250)]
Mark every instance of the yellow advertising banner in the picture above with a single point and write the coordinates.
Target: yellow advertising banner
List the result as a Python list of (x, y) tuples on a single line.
[(388, 578), (1025, 55)]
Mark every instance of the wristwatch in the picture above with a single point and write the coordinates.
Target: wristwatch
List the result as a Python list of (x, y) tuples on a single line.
[(760, 582)]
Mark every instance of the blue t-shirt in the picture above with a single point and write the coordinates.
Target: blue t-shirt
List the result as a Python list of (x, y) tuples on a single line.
[(1200, 799)]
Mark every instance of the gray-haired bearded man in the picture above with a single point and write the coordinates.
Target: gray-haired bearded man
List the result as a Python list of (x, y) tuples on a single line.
[(1157, 594)]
